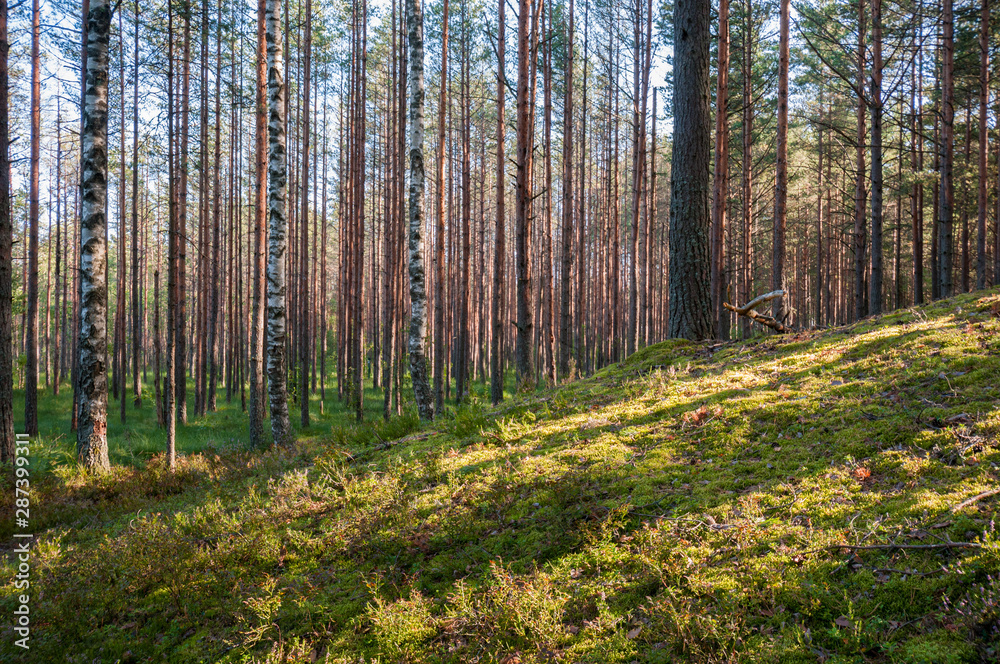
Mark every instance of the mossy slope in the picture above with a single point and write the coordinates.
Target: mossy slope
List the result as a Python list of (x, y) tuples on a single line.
[(684, 506)]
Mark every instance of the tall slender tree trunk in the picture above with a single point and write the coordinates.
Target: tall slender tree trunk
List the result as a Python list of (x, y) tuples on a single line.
[(917, 159), (304, 354), (875, 101), (499, 257), (439, 271), (216, 252), (781, 172), (522, 209), (7, 446), (565, 321), (277, 227), (860, 196), (746, 166), (820, 130), (170, 402), (92, 431), (137, 339), (58, 337), (418, 294), (947, 151), (180, 277), (690, 218), (984, 92), (547, 332), (720, 185), (31, 321), (257, 313), (464, 333)]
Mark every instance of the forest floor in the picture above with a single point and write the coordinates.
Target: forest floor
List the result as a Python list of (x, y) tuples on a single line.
[(803, 498)]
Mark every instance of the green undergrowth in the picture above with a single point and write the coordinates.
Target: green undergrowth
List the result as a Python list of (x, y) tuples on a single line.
[(687, 505)]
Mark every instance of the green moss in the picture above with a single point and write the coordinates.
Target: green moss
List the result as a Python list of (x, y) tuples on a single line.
[(684, 505)]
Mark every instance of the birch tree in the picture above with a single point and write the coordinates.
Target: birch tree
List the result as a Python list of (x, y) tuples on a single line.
[(277, 191), (418, 294), (92, 428)]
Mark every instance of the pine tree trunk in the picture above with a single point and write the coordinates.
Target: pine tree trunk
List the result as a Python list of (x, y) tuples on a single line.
[(7, 446), (860, 196), (462, 365), (180, 275), (690, 297), (984, 81), (781, 171), (439, 271), (418, 295), (170, 403), (565, 321), (522, 210), (947, 150), (877, 265), (547, 335), (720, 186), (31, 321), (499, 257), (917, 159), (216, 250), (92, 432), (746, 167), (136, 320), (304, 248), (257, 313)]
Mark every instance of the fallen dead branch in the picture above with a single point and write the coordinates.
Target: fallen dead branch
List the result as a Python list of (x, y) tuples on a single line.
[(890, 547), (974, 499), (749, 311)]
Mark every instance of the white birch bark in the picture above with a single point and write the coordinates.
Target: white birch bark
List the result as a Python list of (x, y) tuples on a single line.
[(92, 431), (418, 287), (277, 205)]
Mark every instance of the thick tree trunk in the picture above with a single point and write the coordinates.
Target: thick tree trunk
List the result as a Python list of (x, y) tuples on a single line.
[(92, 432), (418, 295), (690, 219)]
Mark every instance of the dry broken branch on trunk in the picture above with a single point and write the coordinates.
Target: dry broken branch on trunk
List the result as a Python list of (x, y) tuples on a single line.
[(768, 321)]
